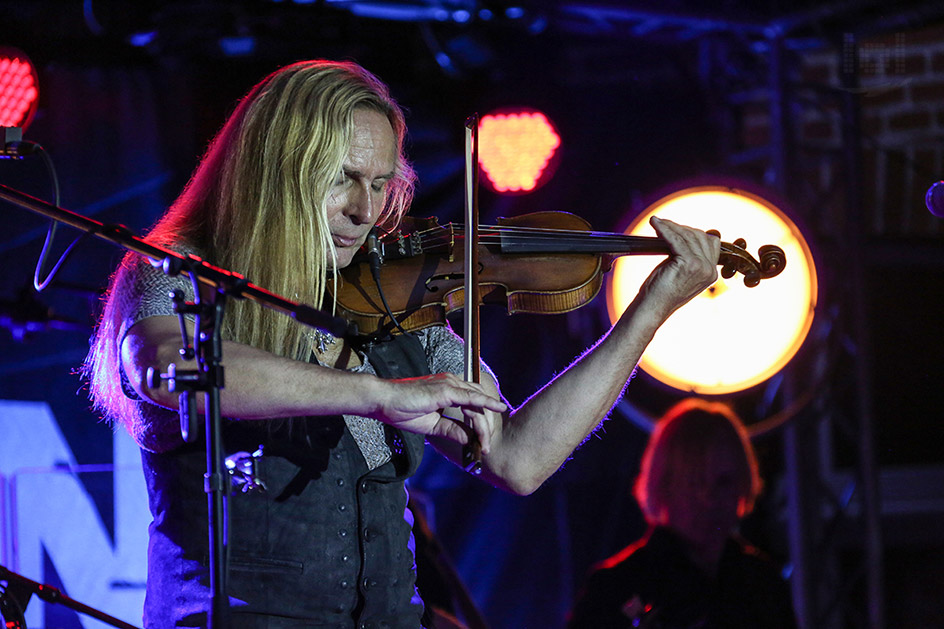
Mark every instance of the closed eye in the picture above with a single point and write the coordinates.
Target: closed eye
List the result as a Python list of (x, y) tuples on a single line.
[(380, 183)]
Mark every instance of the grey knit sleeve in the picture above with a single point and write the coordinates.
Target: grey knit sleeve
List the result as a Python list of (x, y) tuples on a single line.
[(445, 351), (147, 293)]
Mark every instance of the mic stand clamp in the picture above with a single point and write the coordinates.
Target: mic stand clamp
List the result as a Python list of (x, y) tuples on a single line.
[(187, 382)]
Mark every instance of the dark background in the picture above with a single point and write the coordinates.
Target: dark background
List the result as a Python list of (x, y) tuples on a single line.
[(637, 111)]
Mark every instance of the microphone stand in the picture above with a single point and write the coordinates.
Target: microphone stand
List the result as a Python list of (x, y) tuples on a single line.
[(208, 349), (19, 589)]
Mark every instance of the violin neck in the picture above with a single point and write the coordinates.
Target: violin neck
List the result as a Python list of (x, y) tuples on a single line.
[(526, 240), (515, 240)]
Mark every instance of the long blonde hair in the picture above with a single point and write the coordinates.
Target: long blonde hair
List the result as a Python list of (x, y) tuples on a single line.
[(256, 205)]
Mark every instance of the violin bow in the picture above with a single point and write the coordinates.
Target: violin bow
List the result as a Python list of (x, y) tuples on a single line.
[(472, 451)]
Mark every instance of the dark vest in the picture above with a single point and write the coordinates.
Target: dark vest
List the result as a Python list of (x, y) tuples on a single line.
[(328, 545)]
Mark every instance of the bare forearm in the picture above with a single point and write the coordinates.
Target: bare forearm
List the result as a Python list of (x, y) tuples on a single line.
[(539, 436), (259, 385)]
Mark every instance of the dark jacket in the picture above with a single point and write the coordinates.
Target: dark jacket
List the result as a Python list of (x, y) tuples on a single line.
[(653, 584)]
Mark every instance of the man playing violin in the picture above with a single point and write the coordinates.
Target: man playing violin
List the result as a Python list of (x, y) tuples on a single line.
[(310, 160)]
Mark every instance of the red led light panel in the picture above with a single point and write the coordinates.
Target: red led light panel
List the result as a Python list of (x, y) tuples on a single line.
[(19, 90)]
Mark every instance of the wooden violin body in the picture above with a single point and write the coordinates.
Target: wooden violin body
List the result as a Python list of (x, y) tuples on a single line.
[(423, 282), (545, 262)]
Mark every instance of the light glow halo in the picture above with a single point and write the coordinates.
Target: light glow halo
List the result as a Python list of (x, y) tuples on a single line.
[(730, 337)]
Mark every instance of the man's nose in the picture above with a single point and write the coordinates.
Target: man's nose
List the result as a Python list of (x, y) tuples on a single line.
[(361, 208)]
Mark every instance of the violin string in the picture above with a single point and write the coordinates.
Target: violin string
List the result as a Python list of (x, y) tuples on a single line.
[(437, 237), (457, 229), (551, 232), (496, 235), (495, 232)]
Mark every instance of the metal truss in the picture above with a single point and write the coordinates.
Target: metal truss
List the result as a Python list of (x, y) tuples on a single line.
[(832, 515)]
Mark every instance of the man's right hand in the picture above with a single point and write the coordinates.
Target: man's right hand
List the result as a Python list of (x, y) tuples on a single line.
[(418, 404)]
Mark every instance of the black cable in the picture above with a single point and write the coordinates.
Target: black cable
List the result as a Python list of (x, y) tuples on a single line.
[(32, 148), (375, 260)]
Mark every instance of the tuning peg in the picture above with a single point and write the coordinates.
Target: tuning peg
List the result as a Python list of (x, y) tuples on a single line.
[(752, 279)]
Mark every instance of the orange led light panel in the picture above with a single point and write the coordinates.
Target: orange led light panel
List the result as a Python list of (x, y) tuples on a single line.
[(515, 149)]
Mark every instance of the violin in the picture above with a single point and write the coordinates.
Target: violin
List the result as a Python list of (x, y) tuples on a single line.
[(544, 262)]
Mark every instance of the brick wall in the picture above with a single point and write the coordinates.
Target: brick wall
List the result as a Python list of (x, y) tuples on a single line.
[(901, 95)]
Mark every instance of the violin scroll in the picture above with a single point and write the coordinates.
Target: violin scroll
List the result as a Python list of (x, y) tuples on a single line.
[(772, 260), (734, 258)]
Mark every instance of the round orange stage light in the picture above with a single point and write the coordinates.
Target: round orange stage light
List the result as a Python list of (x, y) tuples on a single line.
[(516, 150), (730, 337), (19, 88)]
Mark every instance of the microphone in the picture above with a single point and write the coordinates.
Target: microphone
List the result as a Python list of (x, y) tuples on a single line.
[(374, 257), (374, 260), (934, 199)]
